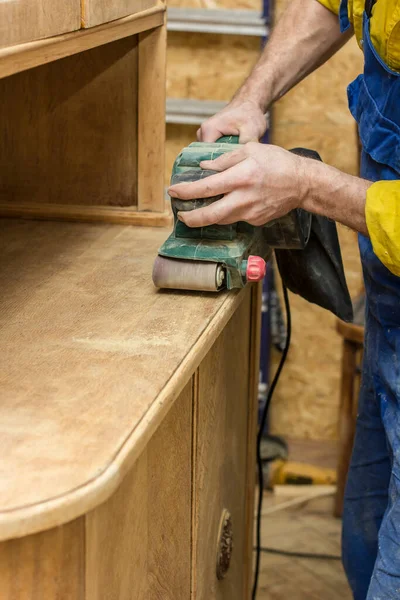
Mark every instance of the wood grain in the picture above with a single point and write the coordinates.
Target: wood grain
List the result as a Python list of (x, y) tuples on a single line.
[(14, 59), (93, 357), (96, 12), (89, 214), (46, 566), (151, 119), (70, 130), (24, 20), (305, 528), (138, 541), (221, 458)]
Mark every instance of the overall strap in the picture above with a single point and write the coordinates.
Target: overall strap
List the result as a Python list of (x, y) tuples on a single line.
[(368, 7)]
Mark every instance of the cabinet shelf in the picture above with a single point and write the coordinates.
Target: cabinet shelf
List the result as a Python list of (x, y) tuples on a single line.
[(83, 384), (14, 59)]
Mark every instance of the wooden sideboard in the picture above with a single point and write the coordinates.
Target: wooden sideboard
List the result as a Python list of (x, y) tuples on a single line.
[(127, 414)]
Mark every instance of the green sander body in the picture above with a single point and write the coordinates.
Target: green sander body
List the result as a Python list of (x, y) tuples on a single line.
[(219, 256)]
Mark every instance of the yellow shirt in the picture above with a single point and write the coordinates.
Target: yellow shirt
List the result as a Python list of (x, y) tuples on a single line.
[(382, 207)]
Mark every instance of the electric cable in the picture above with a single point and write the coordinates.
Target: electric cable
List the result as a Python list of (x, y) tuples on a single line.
[(259, 439)]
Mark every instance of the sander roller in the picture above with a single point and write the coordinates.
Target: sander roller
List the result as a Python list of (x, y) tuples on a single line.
[(220, 256)]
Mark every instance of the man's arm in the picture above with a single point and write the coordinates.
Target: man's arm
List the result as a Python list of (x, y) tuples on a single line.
[(303, 39)]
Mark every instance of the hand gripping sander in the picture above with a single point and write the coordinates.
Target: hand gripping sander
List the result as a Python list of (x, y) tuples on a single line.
[(220, 256)]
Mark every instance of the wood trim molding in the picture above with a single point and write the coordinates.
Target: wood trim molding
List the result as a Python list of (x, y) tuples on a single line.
[(88, 214)]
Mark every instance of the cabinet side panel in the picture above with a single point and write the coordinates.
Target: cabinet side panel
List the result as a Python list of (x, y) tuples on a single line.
[(24, 20), (138, 542), (254, 362), (46, 565), (69, 134), (221, 458)]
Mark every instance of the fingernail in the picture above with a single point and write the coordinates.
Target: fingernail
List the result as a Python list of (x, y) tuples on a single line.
[(179, 215), (172, 194)]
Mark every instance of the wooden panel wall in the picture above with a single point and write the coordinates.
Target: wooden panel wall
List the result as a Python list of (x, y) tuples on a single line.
[(45, 566), (314, 115), (69, 130), (138, 541)]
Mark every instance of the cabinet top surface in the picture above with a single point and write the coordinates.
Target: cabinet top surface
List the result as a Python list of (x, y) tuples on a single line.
[(92, 357)]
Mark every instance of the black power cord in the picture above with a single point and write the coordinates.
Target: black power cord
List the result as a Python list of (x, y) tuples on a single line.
[(259, 439)]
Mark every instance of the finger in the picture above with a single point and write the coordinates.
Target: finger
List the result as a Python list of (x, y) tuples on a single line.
[(199, 135), (222, 211), (214, 185), (209, 132), (225, 161), (214, 128)]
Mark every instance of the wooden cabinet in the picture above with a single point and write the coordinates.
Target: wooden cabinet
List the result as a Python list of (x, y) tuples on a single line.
[(127, 421), (127, 415), (95, 12), (26, 20)]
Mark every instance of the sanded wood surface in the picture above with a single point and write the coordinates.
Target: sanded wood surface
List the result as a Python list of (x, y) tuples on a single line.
[(70, 128), (24, 20), (96, 12), (14, 59), (92, 359), (47, 566), (220, 459), (138, 542)]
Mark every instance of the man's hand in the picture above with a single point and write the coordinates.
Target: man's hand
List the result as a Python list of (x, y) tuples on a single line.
[(242, 118), (259, 183)]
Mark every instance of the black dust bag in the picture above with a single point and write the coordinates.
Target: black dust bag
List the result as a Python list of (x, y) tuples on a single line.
[(316, 272)]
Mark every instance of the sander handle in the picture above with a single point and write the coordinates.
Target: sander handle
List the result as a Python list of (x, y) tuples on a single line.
[(228, 139)]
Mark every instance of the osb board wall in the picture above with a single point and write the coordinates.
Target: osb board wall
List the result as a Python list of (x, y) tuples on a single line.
[(314, 115), (204, 67), (217, 4)]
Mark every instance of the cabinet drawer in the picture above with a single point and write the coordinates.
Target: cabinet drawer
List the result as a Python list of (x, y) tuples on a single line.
[(95, 12), (27, 20), (220, 468)]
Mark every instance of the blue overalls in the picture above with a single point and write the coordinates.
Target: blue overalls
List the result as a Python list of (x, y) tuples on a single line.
[(371, 519)]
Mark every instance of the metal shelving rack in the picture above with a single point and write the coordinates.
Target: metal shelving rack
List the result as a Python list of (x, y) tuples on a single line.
[(227, 22)]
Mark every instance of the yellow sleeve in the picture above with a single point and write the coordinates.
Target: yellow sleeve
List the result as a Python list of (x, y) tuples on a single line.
[(382, 212), (333, 5)]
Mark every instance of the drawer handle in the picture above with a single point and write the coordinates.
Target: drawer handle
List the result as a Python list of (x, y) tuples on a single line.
[(225, 544)]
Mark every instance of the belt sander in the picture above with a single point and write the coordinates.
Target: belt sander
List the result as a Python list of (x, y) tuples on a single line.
[(220, 256)]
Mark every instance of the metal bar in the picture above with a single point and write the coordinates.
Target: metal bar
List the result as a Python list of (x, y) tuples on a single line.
[(191, 112), (236, 22)]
